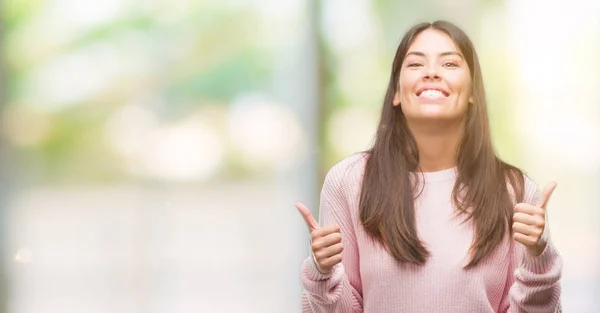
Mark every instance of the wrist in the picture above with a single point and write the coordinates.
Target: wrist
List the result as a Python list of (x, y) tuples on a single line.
[(536, 250)]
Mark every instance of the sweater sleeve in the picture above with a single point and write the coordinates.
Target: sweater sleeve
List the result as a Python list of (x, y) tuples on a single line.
[(534, 281), (340, 291)]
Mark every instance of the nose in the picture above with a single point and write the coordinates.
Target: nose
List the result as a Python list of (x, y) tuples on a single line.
[(431, 72)]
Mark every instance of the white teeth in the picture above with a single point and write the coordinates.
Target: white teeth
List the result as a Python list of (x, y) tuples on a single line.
[(433, 94)]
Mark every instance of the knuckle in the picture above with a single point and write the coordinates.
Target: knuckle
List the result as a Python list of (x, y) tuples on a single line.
[(328, 232), (337, 259), (330, 262), (542, 223), (540, 211), (315, 246)]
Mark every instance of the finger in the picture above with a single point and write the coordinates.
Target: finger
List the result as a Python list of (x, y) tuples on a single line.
[(325, 231), (326, 241), (524, 239), (546, 194), (331, 261), (310, 220), (329, 251), (527, 230), (531, 220), (527, 208)]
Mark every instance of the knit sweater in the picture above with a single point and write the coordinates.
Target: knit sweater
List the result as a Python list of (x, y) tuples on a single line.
[(370, 280)]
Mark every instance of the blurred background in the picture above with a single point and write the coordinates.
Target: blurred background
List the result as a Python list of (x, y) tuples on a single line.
[(151, 151)]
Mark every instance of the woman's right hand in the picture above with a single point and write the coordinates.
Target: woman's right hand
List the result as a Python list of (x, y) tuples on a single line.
[(326, 242)]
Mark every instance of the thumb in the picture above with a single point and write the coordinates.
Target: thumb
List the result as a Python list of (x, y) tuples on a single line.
[(546, 194), (310, 220)]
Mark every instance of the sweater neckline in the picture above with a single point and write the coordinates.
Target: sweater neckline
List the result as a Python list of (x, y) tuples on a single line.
[(438, 176)]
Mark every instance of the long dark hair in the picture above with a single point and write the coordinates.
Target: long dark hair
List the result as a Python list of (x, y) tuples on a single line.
[(484, 184)]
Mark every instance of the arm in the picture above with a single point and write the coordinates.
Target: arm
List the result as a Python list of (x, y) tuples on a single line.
[(536, 286), (534, 282), (339, 291)]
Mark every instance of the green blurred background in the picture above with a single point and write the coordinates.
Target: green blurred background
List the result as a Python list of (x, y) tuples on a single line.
[(152, 150)]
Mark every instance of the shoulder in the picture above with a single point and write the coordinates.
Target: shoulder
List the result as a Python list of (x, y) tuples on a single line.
[(348, 169), (531, 191), (346, 175), (517, 179)]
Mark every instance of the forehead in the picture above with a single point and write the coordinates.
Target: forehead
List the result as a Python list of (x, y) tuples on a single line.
[(432, 41)]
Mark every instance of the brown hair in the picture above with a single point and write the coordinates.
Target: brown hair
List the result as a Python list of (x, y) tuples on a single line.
[(484, 182)]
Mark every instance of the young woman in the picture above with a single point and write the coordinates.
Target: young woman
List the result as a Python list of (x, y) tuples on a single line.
[(430, 219)]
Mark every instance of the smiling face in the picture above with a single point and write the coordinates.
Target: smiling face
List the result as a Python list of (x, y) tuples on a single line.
[(434, 82)]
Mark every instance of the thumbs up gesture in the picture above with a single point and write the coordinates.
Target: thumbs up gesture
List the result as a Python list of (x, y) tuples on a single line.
[(326, 242), (529, 223)]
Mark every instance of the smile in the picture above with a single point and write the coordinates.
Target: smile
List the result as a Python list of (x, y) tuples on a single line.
[(432, 94)]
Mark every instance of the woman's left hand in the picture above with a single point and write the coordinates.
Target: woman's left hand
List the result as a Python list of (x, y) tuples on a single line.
[(529, 223)]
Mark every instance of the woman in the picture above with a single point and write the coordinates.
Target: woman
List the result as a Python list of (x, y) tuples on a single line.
[(430, 219)]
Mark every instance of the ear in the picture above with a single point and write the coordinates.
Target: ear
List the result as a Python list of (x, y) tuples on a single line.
[(396, 101)]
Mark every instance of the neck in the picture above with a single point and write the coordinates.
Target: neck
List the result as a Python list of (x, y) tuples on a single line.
[(437, 145)]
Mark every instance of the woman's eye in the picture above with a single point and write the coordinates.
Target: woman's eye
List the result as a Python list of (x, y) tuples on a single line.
[(414, 64), (450, 64)]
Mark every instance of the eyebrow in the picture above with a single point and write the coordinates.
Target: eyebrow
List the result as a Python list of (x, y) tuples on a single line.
[(421, 54)]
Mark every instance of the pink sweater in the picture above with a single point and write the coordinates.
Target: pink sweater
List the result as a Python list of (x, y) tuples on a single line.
[(369, 280)]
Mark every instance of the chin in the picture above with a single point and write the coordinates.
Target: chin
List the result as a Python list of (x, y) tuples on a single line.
[(434, 115), (433, 110)]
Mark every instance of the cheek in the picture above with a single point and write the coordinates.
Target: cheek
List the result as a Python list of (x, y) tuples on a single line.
[(460, 82), (406, 85), (466, 91)]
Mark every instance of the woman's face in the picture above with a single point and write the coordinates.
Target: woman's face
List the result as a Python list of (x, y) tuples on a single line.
[(435, 83)]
